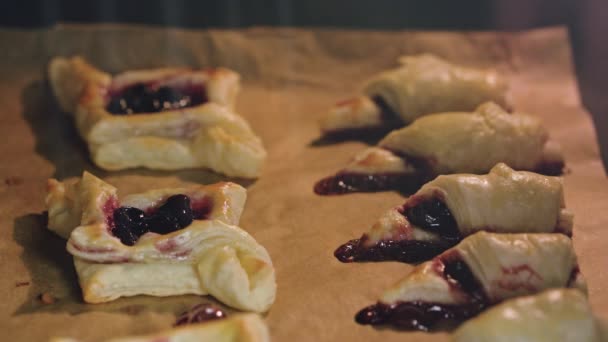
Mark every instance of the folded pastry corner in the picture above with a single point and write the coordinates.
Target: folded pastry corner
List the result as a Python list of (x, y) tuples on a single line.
[(553, 315), (167, 119), (445, 143), (162, 242), (451, 207), (422, 84), (481, 271), (247, 327)]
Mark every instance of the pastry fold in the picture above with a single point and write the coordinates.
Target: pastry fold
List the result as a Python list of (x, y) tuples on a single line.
[(238, 328), (423, 84), (503, 201), (553, 315), (209, 135), (482, 270), (445, 143), (209, 256), (90, 200)]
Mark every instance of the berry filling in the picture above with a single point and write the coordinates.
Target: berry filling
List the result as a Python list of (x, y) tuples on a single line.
[(147, 98), (200, 313), (176, 213), (435, 217), (344, 183), (421, 315), (408, 251)]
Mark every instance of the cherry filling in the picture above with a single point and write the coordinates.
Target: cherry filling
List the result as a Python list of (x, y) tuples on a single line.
[(200, 313), (345, 182), (144, 98), (435, 217), (408, 251), (175, 214), (420, 315)]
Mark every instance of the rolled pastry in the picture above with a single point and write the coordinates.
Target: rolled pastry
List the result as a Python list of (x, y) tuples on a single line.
[(553, 315), (448, 143), (167, 119), (117, 254), (238, 328), (482, 270), (451, 207), (422, 85)]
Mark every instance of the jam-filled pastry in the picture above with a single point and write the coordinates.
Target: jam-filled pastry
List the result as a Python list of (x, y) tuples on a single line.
[(423, 84), (166, 119), (161, 243), (89, 199), (482, 270), (451, 207), (247, 327), (554, 315), (445, 143)]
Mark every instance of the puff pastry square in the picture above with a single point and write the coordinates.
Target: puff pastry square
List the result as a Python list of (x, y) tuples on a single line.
[(451, 207), (554, 315), (482, 270), (196, 129), (238, 328), (211, 255), (422, 84), (445, 143)]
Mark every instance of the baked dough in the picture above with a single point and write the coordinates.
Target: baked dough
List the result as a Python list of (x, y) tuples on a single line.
[(448, 143), (503, 201), (553, 315), (482, 270), (238, 328), (209, 135), (423, 84), (87, 200), (210, 256), (505, 265)]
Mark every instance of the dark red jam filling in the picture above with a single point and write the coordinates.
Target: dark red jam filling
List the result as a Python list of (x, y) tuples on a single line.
[(344, 183), (418, 315), (200, 313), (389, 118), (435, 217), (432, 216), (144, 98), (408, 251), (552, 168), (129, 223)]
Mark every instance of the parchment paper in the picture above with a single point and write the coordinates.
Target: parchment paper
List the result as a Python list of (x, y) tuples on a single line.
[(290, 77)]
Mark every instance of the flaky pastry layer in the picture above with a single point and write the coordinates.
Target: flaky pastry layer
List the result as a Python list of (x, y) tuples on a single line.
[(423, 84), (504, 265), (553, 315), (209, 135)]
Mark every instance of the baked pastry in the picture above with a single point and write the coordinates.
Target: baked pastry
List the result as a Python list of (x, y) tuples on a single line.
[(451, 207), (167, 119), (482, 270), (423, 84), (553, 315), (449, 143), (163, 242), (89, 200), (247, 327)]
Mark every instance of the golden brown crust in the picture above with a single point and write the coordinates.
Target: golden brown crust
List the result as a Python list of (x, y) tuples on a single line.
[(209, 135)]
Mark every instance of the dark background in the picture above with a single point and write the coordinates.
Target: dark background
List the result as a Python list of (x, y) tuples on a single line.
[(587, 21)]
